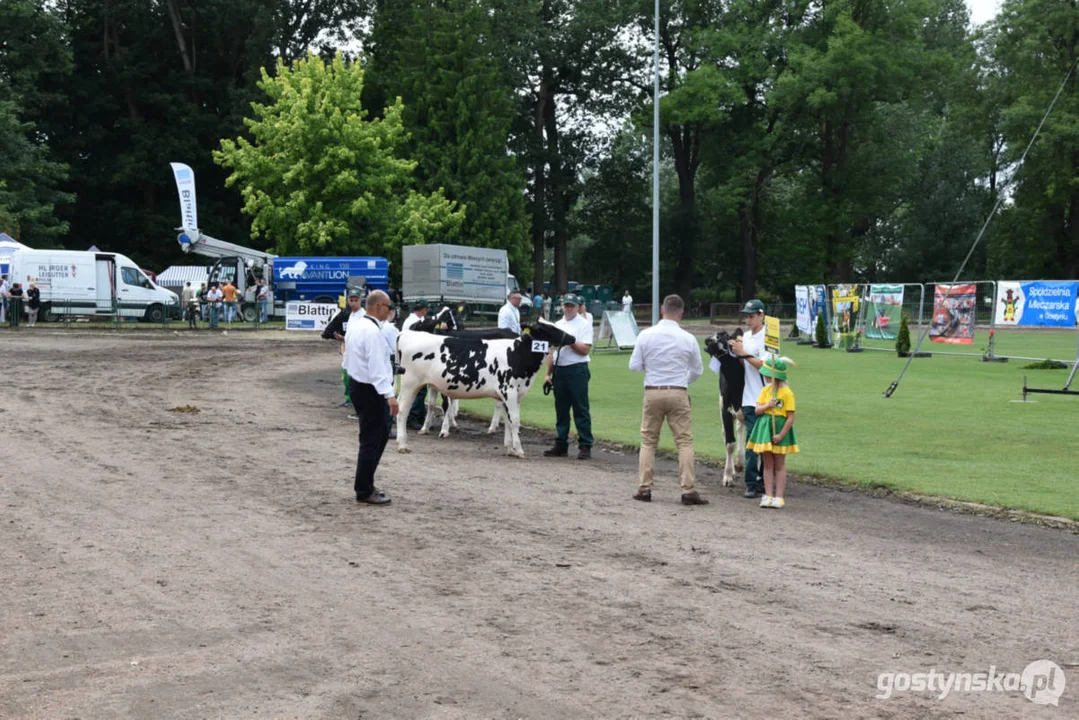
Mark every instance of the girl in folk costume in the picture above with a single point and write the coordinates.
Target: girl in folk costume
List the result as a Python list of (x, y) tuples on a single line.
[(774, 440)]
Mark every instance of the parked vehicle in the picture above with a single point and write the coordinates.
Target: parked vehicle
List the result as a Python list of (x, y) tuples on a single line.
[(477, 278), (91, 283)]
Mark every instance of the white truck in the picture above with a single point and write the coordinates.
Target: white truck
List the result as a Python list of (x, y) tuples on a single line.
[(91, 283), (475, 277)]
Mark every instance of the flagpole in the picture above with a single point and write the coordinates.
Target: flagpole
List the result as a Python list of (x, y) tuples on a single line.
[(655, 178)]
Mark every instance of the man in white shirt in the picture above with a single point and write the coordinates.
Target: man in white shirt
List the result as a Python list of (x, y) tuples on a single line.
[(567, 371), (417, 414), (670, 359), (627, 302), (509, 316), (213, 297), (750, 350), (371, 389), (4, 288)]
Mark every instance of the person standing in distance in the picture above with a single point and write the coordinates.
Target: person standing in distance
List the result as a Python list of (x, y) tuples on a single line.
[(371, 389), (509, 316), (417, 414), (33, 304), (567, 370), (627, 302), (750, 350), (670, 359)]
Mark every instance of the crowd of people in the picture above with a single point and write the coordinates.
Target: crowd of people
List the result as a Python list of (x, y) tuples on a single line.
[(667, 355), (14, 301)]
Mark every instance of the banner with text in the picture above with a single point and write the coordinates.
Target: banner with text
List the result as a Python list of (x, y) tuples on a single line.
[(308, 316), (953, 314), (1037, 303), (805, 314), (884, 311)]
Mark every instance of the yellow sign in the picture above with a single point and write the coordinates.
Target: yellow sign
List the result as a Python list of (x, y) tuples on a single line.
[(771, 334)]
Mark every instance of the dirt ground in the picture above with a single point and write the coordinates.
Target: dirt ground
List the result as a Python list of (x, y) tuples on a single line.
[(162, 564)]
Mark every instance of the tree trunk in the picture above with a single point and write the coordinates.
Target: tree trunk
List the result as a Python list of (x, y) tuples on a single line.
[(178, 31), (539, 178), (559, 187), (686, 141)]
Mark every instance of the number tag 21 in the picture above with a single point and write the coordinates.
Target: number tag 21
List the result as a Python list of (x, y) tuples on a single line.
[(540, 346)]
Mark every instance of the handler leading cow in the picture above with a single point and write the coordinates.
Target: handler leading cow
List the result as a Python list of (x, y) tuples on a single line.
[(471, 367)]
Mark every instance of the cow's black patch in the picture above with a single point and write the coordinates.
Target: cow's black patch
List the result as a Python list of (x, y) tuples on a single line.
[(428, 356), (417, 356)]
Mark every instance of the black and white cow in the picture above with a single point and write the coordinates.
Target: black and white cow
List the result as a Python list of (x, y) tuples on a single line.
[(464, 366), (732, 380)]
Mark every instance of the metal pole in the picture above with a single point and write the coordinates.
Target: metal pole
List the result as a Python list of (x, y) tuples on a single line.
[(655, 181)]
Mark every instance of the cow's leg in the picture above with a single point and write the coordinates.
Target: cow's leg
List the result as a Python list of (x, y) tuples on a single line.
[(404, 402), (447, 416), (432, 402), (495, 418), (453, 410), (728, 466), (513, 425)]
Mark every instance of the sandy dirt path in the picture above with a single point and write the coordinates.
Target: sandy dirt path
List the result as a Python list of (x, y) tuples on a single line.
[(158, 564)]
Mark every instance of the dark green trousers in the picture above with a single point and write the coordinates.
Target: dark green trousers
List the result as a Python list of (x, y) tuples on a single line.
[(571, 392), (418, 412)]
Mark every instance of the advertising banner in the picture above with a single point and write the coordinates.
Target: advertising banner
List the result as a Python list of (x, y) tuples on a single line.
[(953, 314), (185, 186), (771, 334), (805, 313), (308, 316), (884, 312), (1038, 303)]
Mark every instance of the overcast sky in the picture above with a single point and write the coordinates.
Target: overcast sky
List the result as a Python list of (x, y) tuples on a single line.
[(982, 10)]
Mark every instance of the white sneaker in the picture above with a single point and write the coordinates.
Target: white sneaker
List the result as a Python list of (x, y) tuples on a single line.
[(766, 501), (778, 502)]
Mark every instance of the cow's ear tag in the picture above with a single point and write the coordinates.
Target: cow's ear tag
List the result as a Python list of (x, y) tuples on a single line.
[(540, 346), (527, 331)]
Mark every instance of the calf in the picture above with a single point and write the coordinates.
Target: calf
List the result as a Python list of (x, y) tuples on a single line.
[(464, 366), (732, 380)]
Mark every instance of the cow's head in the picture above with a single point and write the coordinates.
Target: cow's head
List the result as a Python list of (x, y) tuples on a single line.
[(718, 346), (550, 333)]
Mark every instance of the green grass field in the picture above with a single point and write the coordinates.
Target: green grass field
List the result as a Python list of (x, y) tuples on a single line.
[(952, 429)]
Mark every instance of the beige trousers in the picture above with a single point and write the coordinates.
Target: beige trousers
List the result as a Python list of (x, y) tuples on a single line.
[(672, 405)]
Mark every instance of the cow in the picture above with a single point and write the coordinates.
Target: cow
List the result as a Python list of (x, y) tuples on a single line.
[(464, 366), (732, 380)]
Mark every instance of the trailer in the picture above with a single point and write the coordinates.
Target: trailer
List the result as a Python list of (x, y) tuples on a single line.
[(473, 277)]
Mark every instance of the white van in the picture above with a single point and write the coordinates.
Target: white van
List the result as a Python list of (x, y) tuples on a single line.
[(91, 283)]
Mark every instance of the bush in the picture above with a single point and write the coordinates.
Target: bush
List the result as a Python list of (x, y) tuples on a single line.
[(902, 340), (820, 332)]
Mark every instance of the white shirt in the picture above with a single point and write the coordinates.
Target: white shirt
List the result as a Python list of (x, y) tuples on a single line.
[(389, 333), (579, 328), (366, 359), (264, 292), (627, 303), (214, 295), (411, 320), (509, 318), (753, 344), (667, 354)]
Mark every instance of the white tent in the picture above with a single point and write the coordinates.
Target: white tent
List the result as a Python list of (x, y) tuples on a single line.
[(178, 275), (8, 245)]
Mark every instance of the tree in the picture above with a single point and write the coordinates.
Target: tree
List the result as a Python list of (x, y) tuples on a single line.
[(458, 108), (319, 178), (1034, 44), (28, 183)]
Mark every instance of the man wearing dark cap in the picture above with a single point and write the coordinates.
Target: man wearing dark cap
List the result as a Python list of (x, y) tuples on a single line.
[(750, 350), (567, 370), (417, 414)]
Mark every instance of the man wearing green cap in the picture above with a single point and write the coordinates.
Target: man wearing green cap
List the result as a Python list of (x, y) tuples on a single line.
[(751, 352), (338, 326), (567, 370)]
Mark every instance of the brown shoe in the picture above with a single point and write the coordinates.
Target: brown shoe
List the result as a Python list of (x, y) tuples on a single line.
[(693, 499), (643, 496)]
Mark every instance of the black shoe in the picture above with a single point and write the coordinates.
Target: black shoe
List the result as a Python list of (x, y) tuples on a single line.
[(643, 496), (693, 499), (584, 453), (559, 450), (374, 499), (751, 493)]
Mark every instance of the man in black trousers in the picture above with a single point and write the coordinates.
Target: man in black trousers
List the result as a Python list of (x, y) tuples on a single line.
[(370, 385)]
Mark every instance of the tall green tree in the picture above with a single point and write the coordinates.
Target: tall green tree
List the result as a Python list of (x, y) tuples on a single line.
[(319, 178), (458, 110), (1034, 45)]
